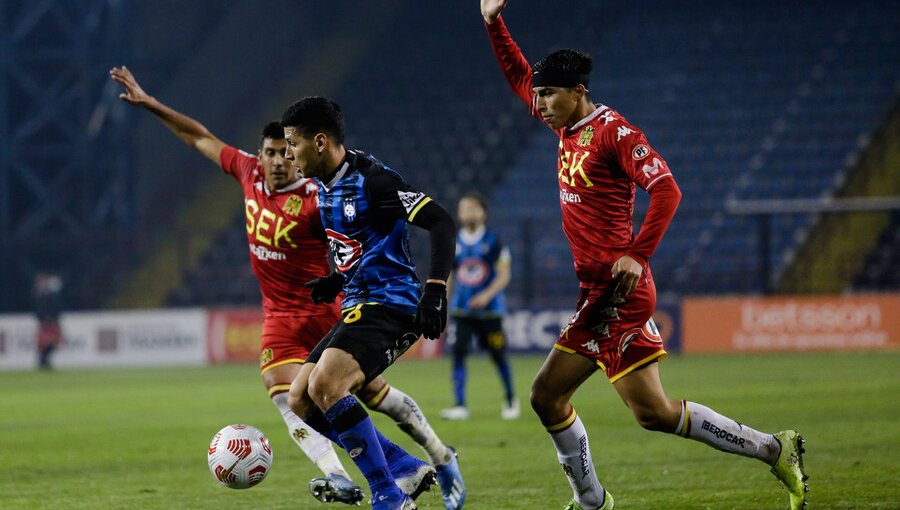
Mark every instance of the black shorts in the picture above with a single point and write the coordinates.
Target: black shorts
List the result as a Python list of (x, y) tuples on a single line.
[(488, 331), (373, 334)]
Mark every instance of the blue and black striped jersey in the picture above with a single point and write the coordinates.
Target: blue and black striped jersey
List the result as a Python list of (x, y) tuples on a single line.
[(365, 208), (474, 269)]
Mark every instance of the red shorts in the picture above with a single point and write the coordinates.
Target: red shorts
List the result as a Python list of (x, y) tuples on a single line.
[(631, 340), (290, 339)]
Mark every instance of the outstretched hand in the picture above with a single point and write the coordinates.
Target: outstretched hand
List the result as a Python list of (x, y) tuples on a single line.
[(133, 94), (491, 9)]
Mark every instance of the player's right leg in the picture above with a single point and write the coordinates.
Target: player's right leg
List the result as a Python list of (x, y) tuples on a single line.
[(286, 343), (336, 485), (551, 392)]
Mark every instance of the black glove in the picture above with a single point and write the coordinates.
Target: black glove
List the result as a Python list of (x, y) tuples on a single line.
[(431, 316), (326, 288)]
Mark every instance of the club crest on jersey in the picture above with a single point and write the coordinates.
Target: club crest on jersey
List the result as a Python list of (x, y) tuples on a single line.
[(292, 205), (349, 209), (640, 152), (587, 134)]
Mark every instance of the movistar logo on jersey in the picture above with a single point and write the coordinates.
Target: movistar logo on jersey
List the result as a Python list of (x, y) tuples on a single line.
[(410, 199)]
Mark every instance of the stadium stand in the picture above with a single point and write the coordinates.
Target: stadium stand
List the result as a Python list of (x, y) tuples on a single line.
[(769, 100)]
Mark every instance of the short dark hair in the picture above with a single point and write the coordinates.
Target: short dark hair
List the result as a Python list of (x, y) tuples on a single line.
[(478, 197), (315, 114), (271, 130), (565, 62)]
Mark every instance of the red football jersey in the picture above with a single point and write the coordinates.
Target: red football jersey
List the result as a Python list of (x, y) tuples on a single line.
[(601, 159), (284, 231)]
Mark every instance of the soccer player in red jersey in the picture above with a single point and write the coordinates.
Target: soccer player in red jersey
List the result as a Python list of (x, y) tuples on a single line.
[(288, 248), (601, 158)]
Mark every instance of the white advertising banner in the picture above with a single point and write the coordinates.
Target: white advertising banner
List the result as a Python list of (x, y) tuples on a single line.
[(17, 346), (110, 339)]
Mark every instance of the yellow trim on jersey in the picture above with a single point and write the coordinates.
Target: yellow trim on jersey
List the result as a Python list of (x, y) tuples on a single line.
[(379, 397), (572, 351), (639, 364), (412, 215), (565, 423), (359, 305), (265, 369), (279, 388)]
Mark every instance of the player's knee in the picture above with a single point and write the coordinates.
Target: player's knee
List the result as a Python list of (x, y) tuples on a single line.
[(654, 418), (544, 402), (300, 404)]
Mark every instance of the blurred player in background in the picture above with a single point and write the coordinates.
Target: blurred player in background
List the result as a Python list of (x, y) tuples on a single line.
[(602, 158), (47, 294), (288, 248), (365, 208), (477, 304)]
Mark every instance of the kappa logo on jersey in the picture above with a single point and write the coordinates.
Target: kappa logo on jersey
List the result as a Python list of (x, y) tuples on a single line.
[(349, 209), (292, 205), (592, 346), (623, 131), (345, 250), (652, 170), (410, 199), (608, 116), (640, 152), (311, 188), (586, 136)]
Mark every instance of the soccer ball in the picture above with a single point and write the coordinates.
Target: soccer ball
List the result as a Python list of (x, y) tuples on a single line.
[(239, 456)]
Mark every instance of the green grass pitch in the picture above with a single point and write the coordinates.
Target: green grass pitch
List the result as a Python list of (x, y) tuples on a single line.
[(117, 439)]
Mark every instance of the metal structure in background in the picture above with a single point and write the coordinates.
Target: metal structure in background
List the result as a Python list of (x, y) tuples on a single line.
[(765, 210), (65, 191)]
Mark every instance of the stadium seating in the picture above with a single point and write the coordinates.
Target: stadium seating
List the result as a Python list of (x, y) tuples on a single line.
[(761, 100)]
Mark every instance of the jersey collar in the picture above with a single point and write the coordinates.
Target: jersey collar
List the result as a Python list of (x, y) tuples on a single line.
[(337, 176), (593, 115), (474, 237), (290, 187)]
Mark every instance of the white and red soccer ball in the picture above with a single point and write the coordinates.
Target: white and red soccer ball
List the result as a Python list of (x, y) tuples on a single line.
[(239, 456)]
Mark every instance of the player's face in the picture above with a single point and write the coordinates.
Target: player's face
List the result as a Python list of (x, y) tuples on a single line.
[(471, 214), (303, 153), (279, 171), (557, 105)]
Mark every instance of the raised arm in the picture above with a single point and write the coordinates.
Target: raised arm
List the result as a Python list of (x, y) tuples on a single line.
[(192, 132), (515, 67)]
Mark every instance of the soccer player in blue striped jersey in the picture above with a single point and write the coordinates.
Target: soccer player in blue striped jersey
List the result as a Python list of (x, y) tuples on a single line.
[(477, 304), (365, 208)]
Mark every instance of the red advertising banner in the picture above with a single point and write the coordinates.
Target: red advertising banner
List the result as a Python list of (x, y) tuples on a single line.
[(791, 323), (234, 334)]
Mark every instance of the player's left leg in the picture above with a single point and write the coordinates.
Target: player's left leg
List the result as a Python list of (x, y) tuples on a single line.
[(384, 398), (643, 393), (492, 339), (380, 396)]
